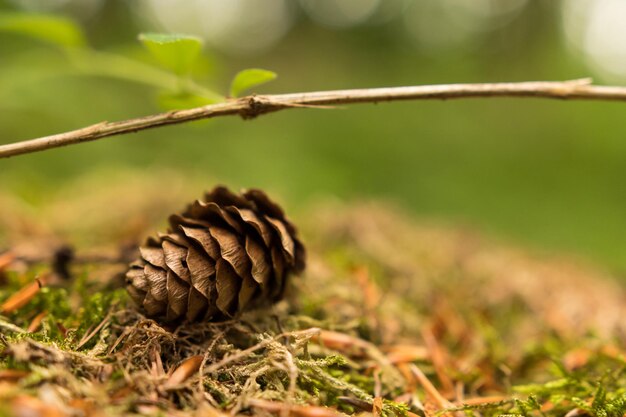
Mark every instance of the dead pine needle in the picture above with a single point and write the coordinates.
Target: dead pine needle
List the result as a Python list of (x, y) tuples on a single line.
[(430, 389), (406, 353), (439, 358), (36, 322), (294, 410), (93, 332), (23, 296), (186, 369), (377, 407), (283, 364), (6, 259), (12, 375), (494, 399)]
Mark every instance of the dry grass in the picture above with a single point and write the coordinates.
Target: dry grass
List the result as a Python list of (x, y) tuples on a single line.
[(390, 318)]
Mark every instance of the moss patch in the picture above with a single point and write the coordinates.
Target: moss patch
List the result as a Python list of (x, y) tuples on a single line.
[(390, 318)]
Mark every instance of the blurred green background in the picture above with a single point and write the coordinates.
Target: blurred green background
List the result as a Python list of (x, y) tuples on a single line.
[(547, 174)]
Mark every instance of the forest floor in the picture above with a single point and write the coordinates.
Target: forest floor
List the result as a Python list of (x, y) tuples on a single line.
[(392, 317)]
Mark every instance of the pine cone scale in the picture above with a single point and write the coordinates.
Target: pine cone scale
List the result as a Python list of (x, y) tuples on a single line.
[(157, 279), (224, 197), (177, 220), (249, 217), (231, 250), (139, 280), (261, 269), (177, 294), (175, 259), (197, 304), (248, 290), (213, 208), (204, 239), (228, 286), (153, 255), (152, 306), (286, 241), (278, 263), (201, 269), (266, 206)]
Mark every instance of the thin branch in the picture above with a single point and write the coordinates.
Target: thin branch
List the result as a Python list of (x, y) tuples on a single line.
[(253, 106)]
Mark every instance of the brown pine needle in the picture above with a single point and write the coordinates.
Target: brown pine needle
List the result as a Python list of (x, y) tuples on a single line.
[(341, 342), (377, 408), (481, 400), (294, 410), (156, 367), (23, 296), (6, 259), (36, 322), (356, 403), (438, 358), (429, 387), (186, 369), (12, 375), (407, 374), (406, 353), (91, 334), (26, 405)]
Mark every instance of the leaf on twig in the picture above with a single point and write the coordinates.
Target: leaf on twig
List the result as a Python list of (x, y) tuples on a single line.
[(177, 52), (186, 369), (58, 30), (249, 78)]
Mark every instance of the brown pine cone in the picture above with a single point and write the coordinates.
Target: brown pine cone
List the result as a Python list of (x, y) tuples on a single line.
[(221, 256)]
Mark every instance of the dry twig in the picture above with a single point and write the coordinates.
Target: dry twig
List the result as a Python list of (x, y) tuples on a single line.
[(252, 106)]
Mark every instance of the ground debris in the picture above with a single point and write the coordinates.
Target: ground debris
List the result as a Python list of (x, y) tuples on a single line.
[(390, 319)]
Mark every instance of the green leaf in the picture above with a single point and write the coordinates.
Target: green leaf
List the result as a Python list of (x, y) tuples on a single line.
[(176, 52), (249, 78), (49, 28)]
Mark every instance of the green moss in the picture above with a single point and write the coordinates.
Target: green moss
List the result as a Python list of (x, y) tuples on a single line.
[(524, 368)]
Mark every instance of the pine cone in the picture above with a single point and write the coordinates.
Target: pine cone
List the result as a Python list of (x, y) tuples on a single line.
[(221, 256)]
